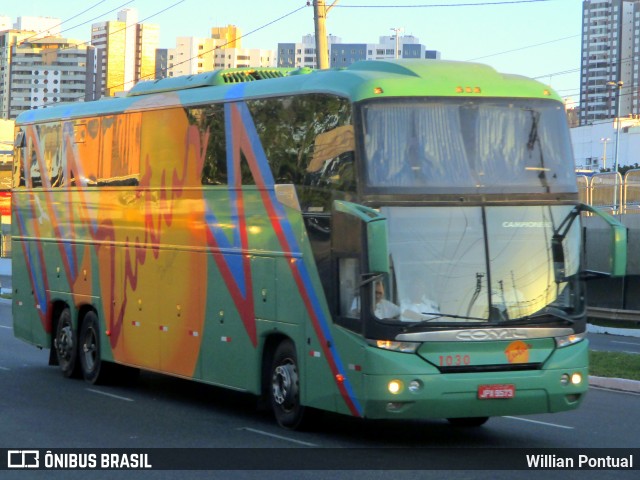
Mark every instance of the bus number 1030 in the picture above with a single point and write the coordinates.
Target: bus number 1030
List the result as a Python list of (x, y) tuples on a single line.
[(454, 360)]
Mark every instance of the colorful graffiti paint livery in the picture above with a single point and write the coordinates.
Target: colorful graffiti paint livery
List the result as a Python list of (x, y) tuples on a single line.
[(382, 241)]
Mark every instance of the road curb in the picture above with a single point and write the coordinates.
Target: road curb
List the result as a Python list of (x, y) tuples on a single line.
[(621, 384)]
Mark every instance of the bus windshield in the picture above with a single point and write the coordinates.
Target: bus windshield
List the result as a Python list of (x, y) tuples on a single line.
[(492, 145), (481, 264)]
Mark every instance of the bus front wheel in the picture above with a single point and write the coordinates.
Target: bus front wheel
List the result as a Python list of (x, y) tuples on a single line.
[(66, 345), (285, 387)]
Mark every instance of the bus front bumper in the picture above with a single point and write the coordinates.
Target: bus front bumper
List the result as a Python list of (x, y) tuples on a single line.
[(460, 395)]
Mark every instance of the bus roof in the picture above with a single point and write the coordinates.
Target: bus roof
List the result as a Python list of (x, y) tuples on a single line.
[(362, 80)]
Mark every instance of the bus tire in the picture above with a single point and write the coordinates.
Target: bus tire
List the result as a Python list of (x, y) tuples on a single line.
[(66, 345), (94, 370), (468, 421), (284, 391)]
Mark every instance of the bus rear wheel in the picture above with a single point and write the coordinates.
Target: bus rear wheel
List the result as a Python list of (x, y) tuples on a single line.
[(468, 421), (66, 345), (92, 366), (285, 387)]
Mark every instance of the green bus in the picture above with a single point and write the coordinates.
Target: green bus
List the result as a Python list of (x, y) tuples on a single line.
[(397, 239)]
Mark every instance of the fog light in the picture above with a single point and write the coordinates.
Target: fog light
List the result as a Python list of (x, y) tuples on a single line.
[(573, 398), (415, 386), (564, 379), (576, 378), (395, 387), (395, 406)]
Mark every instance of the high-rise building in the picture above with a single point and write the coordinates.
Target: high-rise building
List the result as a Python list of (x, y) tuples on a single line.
[(227, 37), (344, 54), (243, 57), (302, 54), (223, 50), (47, 71), (11, 35), (610, 54), (388, 47), (8, 39), (5, 23), (190, 56), (128, 51)]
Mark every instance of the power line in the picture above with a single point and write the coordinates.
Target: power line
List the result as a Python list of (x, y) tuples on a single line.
[(118, 31), (439, 5), (128, 26), (219, 47), (64, 21), (524, 48), (84, 23)]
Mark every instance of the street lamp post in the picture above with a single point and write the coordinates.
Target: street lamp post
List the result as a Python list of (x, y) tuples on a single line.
[(617, 84), (604, 141), (397, 30)]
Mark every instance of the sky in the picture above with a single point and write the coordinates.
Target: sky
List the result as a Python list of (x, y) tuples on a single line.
[(535, 38)]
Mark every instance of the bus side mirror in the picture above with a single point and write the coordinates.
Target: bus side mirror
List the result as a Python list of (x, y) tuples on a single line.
[(614, 242), (557, 253), (358, 229)]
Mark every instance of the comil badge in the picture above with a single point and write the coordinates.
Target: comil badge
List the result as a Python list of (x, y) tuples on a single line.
[(517, 352)]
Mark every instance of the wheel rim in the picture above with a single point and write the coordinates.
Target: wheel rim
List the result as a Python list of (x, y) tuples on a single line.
[(285, 386), (64, 343), (89, 349)]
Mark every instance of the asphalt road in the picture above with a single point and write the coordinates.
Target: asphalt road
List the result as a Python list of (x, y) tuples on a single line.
[(614, 343), (41, 409)]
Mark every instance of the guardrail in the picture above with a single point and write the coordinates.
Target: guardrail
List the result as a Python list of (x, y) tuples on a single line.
[(631, 316)]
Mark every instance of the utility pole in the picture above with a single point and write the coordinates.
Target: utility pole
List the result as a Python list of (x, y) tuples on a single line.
[(320, 11), (615, 159)]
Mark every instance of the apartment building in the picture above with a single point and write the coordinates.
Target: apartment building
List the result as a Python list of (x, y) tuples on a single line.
[(303, 54), (127, 51), (194, 55), (610, 54), (47, 71)]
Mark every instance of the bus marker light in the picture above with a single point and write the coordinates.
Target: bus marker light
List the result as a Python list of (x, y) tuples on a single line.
[(395, 387), (356, 368), (378, 90), (225, 339), (339, 377), (314, 353), (459, 90), (107, 333)]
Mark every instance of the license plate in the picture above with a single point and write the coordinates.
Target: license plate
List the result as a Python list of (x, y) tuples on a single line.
[(495, 392)]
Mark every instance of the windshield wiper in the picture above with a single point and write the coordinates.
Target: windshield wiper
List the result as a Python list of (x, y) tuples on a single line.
[(552, 314), (437, 315)]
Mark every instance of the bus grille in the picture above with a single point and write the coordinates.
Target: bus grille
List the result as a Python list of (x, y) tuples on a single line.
[(511, 367)]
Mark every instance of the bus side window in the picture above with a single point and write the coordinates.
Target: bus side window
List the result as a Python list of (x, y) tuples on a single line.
[(210, 123), (18, 162), (349, 272)]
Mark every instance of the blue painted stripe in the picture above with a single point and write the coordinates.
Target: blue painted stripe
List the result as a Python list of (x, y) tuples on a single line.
[(233, 259)]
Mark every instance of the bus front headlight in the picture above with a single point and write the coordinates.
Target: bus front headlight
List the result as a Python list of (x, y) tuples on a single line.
[(404, 347), (570, 339)]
